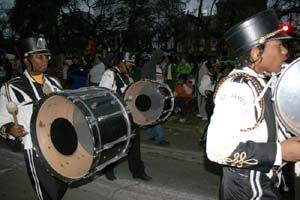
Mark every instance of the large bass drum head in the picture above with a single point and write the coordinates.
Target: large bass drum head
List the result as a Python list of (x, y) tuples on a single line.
[(59, 134), (145, 102), (287, 95)]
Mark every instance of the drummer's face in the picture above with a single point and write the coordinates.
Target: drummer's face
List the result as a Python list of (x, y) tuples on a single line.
[(39, 62), (273, 56), (122, 68)]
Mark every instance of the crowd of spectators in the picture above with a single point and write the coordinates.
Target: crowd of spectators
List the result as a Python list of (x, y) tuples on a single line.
[(187, 75)]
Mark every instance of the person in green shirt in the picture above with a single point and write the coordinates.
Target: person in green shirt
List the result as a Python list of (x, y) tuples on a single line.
[(184, 67)]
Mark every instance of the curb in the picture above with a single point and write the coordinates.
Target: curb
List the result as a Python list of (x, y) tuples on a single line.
[(196, 128)]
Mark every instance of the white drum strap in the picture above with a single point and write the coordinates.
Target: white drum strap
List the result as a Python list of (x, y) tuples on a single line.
[(7, 92), (10, 100), (3, 131)]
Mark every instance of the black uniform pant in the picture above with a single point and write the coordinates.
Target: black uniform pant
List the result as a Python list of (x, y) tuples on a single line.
[(135, 163), (46, 187), (243, 184)]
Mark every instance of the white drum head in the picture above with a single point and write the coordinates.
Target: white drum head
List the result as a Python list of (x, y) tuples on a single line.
[(287, 96)]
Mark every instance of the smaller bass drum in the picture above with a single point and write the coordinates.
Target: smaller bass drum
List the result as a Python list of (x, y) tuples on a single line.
[(286, 97), (77, 133), (150, 102)]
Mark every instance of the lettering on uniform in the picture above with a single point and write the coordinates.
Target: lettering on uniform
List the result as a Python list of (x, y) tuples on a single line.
[(239, 98), (223, 97)]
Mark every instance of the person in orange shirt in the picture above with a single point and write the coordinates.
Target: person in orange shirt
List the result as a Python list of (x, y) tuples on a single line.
[(183, 94)]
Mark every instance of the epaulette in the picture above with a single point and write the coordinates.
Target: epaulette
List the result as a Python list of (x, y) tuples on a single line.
[(14, 80)]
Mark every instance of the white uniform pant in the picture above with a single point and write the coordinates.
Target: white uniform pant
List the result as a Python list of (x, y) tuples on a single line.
[(201, 102)]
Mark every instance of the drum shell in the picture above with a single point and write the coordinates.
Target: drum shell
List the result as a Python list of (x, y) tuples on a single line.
[(98, 119)]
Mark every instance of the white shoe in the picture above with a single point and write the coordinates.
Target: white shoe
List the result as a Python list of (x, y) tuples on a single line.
[(181, 120), (199, 115), (204, 118), (177, 110)]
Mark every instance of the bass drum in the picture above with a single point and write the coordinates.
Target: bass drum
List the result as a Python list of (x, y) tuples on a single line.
[(286, 97), (77, 133), (150, 102)]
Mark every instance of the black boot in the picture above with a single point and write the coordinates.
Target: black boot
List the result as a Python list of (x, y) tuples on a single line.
[(109, 174), (142, 176)]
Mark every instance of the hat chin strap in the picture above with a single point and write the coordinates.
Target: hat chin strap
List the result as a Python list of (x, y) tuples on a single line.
[(261, 51), (252, 62), (32, 68), (126, 68)]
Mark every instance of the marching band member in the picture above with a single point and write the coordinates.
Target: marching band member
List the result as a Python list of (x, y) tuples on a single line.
[(243, 134), (16, 107), (117, 79)]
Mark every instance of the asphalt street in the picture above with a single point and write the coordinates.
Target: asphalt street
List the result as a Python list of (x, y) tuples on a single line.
[(173, 178), (180, 171)]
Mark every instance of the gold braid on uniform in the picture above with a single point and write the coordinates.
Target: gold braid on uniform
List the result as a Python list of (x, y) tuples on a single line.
[(239, 159), (3, 132), (258, 87)]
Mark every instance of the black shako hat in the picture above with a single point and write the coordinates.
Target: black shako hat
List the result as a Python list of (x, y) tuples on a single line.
[(254, 31), (34, 45)]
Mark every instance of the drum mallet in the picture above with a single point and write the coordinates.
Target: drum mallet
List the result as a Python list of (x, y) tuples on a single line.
[(13, 109)]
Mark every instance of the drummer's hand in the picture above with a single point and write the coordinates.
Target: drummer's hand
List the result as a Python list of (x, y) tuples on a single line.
[(290, 149), (17, 130)]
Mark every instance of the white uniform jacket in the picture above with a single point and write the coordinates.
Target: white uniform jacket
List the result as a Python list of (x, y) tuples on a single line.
[(206, 84), (115, 81), (24, 91), (236, 109)]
